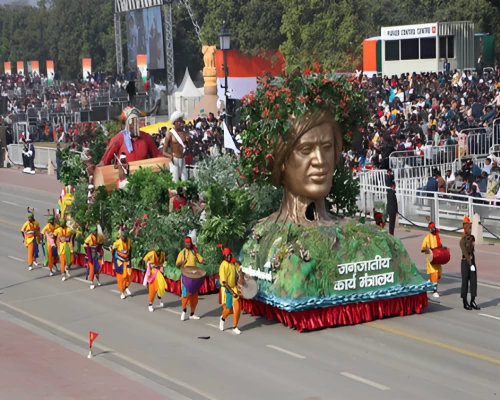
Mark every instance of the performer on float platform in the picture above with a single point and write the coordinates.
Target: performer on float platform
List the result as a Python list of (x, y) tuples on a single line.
[(31, 233), (93, 249), (65, 247), (187, 258), (230, 294), (468, 267), (153, 278), (122, 265), (433, 241), (49, 244)]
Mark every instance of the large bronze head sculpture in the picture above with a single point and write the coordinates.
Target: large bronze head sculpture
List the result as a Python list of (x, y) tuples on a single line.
[(298, 124)]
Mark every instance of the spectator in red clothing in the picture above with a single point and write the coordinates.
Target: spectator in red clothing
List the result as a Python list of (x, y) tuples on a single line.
[(180, 199)]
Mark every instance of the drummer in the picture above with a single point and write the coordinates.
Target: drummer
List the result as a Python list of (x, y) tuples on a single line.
[(433, 241), (228, 271), (188, 257), (153, 278)]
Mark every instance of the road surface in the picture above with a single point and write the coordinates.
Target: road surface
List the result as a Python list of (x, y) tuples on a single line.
[(445, 353)]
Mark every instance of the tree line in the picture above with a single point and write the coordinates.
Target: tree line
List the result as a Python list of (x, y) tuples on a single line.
[(330, 32)]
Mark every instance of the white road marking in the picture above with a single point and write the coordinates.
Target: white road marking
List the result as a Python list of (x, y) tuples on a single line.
[(285, 351), (212, 325), (81, 280), (115, 291), (8, 202), (490, 316), (85, 340), (365, 381), (15, 258), (173, 311)]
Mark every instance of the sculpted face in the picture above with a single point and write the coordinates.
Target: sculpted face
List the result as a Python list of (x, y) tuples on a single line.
[(133, 126), (309, 168)]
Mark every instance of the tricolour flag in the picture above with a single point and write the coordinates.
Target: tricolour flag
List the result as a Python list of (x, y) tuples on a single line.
[(20, 67), (142, 65), (35, 67), (7, 68), (244, 71), (50, 72), (87, 68)]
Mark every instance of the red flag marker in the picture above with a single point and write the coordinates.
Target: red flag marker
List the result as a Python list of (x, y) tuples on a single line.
[(92, 337)]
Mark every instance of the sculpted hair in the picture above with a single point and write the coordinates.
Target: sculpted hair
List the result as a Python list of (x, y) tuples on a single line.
[(298, 128)]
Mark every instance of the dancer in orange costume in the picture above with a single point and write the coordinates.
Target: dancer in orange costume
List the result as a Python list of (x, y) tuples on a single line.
[(49, 244), (122, 250), (31, 233), (230, 293), (93, 249), (153, 278), (187, 258), (64, 235), (433, 241)]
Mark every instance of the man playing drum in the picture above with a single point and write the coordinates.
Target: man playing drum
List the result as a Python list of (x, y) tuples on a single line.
[(188, 257), (230, 293), (433, 241)]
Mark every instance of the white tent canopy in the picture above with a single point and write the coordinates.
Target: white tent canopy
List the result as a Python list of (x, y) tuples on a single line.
[(187, 89), (187, 96)]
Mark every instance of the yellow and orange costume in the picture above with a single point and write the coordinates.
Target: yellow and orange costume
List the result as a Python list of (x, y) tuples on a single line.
[(31, 235), (153, 277), (228, 276), (64, 236), (93, 249), (433, 241), (189, 258), (122, 264)]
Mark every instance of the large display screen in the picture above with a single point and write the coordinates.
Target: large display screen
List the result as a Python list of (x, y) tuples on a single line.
[(145, 36)]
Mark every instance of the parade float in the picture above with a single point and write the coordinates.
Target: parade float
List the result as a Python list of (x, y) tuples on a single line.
[(283, 206), (314, 269)]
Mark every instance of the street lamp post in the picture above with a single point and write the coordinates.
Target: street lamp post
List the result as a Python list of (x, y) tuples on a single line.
[(225, 45)]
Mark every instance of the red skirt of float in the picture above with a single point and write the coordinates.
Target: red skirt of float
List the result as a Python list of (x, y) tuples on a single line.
[(348, 314), (138, 277)]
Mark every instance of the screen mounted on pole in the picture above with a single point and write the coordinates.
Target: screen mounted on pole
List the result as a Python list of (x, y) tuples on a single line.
[(123, 6)]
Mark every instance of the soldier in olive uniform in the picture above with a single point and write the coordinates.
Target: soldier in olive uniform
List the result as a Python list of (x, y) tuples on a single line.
[(468, 267)]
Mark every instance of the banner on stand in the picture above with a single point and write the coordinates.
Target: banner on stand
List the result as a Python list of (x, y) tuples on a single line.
[(30, 68), (35, 67), (87, 68), (50, 72), (142, 66), (7, 69), (20, 67)]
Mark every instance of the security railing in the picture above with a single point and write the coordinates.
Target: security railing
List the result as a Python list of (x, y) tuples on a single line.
[(418, 207)]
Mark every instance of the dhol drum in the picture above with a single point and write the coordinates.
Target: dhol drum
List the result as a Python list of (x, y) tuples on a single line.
[(193, 278), (249, 288), (440, 256)]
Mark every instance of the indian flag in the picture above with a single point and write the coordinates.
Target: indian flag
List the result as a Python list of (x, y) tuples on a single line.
[(87, 67), (50, 72), (20, 67), (243, 71), (35, 67), (142, 65), (7, 68)]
